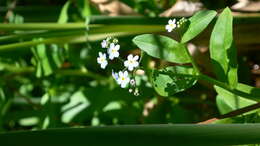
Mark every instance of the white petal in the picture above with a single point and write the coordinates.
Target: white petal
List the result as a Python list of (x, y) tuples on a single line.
[(98, 60), (127, 80), (130, 57), (117, 47), (136, 58), (120, 74), (170, 21), (104, 64), (105, 56), (104, 44), (116, 54), (174, 20), (100, 54), (126, 63), (170, 29), (123, 85), (112, 45), (125, 74), (136, 64), (111, 56), (130, 68)]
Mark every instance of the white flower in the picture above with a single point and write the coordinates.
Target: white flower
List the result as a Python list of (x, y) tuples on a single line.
[(132, 82), (113, 51), (131, 62), (104, 44), (171, 25), (102, 60), (123, 79)]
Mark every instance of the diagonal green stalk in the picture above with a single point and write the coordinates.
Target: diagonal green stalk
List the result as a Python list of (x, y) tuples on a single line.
[(213, 81), (194, 64)]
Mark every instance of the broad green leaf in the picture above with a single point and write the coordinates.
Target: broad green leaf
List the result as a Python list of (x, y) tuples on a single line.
[(138, 135), (172, 80), (63, 18), (162, 47), (198, 23), (222, 49), (228, 102)]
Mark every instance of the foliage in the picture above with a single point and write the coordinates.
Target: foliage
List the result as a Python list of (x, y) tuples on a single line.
[(51, 79)]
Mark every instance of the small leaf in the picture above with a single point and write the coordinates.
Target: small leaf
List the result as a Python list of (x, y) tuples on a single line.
[(253, 92), (172, 80), (228, 102), (84, 8), (198, 23), (47, 59), (63, 18), (162, 47), (222, 49), (78, 102)]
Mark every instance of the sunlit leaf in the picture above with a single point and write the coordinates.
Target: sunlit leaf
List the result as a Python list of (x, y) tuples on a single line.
[(222, 49), (172, 80), (228, 102), (63, 18), (198, 23), (162, 47)]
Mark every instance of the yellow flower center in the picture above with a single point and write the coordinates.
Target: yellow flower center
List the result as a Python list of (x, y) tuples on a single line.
[(113, 50), (123, 78)]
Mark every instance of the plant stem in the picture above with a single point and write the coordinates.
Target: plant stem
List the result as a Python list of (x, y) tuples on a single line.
[(44, 26), (194, 64), (224, 86)]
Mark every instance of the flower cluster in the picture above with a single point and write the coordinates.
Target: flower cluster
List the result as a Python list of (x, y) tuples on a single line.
[(181, 22), (172, 24), (123, 77)]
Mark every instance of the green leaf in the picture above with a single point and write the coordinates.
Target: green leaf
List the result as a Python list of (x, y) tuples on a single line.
[(252, 91), (172, 80), (228, 102), (47, 59), (198, 23), (78, 102), (139, 135), (84, 8), (63, 18), (162, 47), (222, 49)]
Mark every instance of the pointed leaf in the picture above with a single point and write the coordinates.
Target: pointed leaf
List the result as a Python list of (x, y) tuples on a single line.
[(198, 23), (162, 47), (222, 49)]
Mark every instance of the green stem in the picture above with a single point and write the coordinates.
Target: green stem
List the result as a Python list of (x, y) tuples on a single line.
[(224, 86), (194, 64), (68, 72), (213, 81), (45, 26), (77, 36)]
